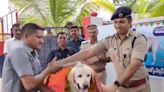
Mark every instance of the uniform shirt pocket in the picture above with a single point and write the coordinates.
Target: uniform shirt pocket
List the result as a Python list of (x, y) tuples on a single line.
[(111, 53), (126, 57)]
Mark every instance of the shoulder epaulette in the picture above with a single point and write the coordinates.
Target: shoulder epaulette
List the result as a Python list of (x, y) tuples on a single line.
[(84, 42), (111, 36), (137, 34)]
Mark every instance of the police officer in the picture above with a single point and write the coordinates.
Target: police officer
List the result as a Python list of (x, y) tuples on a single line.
[(75, 40), (62, 51), (127, 51), (97, 63)]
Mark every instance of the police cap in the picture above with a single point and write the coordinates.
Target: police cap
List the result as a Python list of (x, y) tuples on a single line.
[(122, 12), (92, 28)]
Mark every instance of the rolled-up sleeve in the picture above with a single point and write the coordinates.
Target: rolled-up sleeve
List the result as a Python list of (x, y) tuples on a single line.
[(140, 48)]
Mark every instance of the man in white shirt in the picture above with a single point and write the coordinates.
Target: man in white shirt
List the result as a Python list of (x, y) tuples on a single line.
[(14, 42)]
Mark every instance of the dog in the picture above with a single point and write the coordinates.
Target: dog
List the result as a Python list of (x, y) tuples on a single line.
[(82, 79), (153, 44), (74, 77), (79, 78)]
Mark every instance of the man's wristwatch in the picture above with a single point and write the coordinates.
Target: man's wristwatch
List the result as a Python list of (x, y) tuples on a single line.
[(117, 83)]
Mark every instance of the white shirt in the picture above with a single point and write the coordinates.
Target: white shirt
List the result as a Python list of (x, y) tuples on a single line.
[(10, 44)]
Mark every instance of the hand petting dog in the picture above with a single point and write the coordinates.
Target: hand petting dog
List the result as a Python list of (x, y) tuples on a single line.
[(54, 67)]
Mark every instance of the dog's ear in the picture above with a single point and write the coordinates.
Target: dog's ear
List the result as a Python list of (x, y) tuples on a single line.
[(74, 80), (95, 83), (92, 76), (71, 75), (92, 82), (92, 73)]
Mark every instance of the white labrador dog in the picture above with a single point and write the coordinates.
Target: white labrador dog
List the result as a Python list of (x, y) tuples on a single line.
[(80, 78)]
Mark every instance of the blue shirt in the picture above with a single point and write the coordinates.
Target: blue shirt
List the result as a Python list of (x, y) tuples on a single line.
[(75, 44), (60, 54)]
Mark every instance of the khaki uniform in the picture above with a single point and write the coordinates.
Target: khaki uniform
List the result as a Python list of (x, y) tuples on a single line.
[(121, 52), (95, 62)]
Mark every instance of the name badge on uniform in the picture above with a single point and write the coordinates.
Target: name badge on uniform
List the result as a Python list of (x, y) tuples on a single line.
[(112, 49), (127, 51)]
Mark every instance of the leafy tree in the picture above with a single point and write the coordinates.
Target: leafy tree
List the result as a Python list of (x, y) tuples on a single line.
[(58, 12), (36, 11), (75, 10), (143, 8)]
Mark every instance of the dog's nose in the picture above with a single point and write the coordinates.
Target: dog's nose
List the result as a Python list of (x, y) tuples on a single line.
[(85, 86)]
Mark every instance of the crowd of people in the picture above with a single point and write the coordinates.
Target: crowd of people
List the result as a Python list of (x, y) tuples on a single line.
[(30, 56)]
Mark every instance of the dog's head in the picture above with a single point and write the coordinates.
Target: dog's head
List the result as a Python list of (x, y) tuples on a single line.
[(80, 77)]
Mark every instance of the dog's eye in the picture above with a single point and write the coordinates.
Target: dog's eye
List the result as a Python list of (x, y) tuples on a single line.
[(88, 75), (79, 76)]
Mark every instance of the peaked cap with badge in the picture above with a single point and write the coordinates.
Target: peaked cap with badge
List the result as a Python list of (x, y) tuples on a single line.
[(122, 12)]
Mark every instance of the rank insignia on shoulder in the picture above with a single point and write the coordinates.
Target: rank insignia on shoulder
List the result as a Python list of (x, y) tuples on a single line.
[(84, 42)]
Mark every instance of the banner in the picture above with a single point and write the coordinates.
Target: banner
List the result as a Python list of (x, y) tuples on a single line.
[(154, 32)]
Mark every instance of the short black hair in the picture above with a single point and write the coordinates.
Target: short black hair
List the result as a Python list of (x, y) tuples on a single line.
[(60, 33), (31, 28), (16, 25), (75, 27), (69, 24)]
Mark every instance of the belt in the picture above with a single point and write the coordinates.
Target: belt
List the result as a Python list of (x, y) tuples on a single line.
[(135, 83), (99, 70)]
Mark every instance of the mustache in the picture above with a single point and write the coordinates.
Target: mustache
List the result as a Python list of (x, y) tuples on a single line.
[(41, 43), (118, 27)]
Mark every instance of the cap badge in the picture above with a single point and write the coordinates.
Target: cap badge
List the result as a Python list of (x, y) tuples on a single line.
[(120, 15)]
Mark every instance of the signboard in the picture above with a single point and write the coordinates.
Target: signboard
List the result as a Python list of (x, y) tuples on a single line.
[(154, 32)]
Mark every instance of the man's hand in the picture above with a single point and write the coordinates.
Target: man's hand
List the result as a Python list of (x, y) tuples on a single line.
[(53, 66), (112, 88), (44, 88)]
